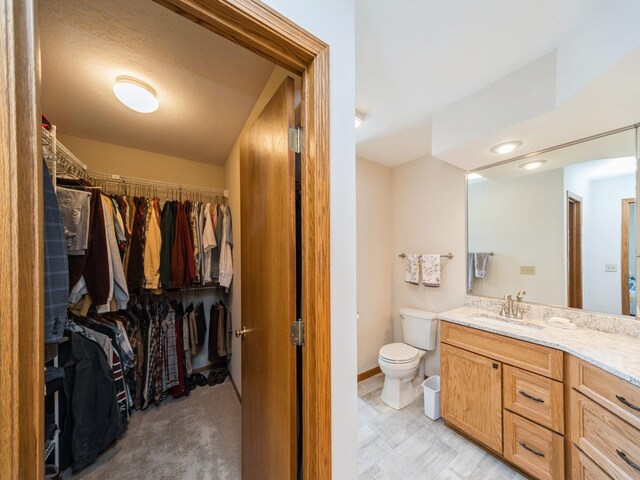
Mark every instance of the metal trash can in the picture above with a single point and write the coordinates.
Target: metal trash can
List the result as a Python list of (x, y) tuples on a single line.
[(432, 397)]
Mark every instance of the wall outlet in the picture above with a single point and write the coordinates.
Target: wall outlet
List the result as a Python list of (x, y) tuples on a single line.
[(611, 267), (527, 270)]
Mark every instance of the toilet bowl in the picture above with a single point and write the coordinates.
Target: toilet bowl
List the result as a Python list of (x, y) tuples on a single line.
[(399, 363), (402, 363)]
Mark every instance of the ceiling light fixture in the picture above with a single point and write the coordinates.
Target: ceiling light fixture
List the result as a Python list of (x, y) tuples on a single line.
[(533, 165), (506, 147), (135, 94), (360, 116), (473, 176)]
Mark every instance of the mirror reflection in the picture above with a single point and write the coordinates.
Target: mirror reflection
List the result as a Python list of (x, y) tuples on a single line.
[(560, 225)]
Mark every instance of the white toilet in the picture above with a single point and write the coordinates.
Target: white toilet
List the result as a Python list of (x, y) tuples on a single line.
[(401, 361)]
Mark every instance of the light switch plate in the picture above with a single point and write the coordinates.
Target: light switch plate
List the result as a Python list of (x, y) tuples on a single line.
[(611, 267), (527, 270)]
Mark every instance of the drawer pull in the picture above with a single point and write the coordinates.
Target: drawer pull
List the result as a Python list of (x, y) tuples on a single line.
[(535, 452), (530, 397), (628, 404), (630, 462)]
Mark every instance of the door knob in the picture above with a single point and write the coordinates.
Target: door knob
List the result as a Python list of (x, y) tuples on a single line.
[(242, 333)]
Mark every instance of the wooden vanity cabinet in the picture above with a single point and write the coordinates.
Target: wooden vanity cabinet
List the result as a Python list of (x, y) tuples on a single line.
[(605, 416), (507, 395), (517, 399), (471, 395)]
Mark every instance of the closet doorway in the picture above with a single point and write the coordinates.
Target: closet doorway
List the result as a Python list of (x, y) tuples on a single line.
[(253, 26)]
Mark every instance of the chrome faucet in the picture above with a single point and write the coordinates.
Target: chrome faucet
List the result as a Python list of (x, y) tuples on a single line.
[(511, 310)]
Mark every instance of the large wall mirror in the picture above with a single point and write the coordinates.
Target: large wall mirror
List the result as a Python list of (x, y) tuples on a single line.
[(559, 224)]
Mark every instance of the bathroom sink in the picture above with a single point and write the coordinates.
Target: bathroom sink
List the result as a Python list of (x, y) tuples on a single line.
[(513, 322)]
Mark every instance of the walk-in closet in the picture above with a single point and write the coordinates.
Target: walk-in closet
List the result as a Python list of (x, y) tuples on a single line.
[(143, 116)]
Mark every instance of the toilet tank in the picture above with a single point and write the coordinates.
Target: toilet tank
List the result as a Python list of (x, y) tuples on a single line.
[(419, 328)]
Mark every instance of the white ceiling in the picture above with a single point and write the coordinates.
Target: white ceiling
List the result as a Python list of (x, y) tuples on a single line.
[(206, 85), (434, 59)]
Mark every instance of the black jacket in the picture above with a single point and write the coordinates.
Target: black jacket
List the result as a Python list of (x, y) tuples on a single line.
[(90, 417)]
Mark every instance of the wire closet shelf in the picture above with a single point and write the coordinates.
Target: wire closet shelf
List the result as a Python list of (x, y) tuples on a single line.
[(62, 162)]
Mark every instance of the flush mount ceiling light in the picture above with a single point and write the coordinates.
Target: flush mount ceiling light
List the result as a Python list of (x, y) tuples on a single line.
[(359, 118), (135, 94), (533, 165), (473, 176), (506, 147)]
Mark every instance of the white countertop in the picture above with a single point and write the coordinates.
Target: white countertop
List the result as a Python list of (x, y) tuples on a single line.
[(618, 354)]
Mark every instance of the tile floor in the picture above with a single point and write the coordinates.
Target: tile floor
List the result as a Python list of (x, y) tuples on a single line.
[(407, 445)]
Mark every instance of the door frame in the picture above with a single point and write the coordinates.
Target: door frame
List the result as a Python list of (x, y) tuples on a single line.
[(248, 23), (624, 255), (574, 266)]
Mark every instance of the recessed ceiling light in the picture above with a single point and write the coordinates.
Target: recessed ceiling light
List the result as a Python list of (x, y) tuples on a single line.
[(136, 94), (473, 176), (506, 147), (359, 118), (533, 165)]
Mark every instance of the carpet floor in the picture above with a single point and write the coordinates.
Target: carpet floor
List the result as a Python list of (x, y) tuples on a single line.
[(193, 438)]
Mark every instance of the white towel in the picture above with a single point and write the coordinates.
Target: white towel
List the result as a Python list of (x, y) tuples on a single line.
[(471, 270), (481, 262), (412, 269), (431, 270)]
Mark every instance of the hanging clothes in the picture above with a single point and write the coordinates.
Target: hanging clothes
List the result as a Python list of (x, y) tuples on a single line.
[(167, 239), (90, 417), (226, 255), (56, 271), (152, 246), (135, 272)]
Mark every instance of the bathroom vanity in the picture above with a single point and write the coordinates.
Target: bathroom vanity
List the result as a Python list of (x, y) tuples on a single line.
[(553, 403)]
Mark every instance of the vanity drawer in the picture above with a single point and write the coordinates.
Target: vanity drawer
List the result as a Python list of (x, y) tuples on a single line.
[(583, 468), (528, 356), (617, 395), (609, 441), (534, 397), (535, 449)]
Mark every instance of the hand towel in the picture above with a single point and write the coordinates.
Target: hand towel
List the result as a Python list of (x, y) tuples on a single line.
[(471, 270), (412, 269), (431, 270), (481, 262)]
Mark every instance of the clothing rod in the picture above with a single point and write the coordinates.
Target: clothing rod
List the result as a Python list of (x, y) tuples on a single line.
[(448, 255), (67, 162)]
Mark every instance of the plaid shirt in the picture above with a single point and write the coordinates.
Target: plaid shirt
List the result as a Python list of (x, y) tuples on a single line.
[(56, 269)]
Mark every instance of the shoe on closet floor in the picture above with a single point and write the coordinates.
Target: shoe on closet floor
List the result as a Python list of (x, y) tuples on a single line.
[(51, 472), (201, 380)]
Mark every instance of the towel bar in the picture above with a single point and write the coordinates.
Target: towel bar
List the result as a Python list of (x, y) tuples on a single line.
[(448, 255)]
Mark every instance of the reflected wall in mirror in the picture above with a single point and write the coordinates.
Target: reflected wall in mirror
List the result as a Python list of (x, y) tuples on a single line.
[(564, 231)]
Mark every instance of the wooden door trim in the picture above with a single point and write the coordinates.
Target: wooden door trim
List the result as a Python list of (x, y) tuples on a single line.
[(21, 246), (248, 23), (572, 198), (624, 255)]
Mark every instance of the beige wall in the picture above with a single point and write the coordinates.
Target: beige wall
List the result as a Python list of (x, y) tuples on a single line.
[(374, 258), (232, 180), (428, 211), (108, 158)]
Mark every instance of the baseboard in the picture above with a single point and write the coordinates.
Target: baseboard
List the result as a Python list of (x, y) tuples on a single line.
[(235, 388), (369, 373)]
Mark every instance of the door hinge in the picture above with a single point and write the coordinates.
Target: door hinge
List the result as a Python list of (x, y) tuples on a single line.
[(295, 139), (297, 333)]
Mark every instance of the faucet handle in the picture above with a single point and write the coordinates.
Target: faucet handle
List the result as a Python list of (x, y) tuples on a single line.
[(521, 295)]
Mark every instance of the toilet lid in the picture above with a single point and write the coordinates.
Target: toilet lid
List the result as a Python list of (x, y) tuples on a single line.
[(399, 353)]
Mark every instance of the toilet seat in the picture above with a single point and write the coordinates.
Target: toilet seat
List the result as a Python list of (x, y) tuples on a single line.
[(399, 353)]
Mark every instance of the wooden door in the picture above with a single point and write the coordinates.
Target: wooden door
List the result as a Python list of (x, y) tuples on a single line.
[(574, 251), (472, 395), (267, 183), (627, 253)]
